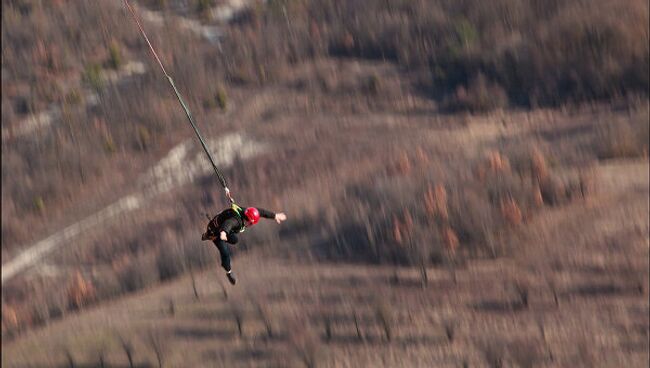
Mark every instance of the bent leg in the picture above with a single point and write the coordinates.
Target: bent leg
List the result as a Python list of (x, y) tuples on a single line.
[(225, 254)]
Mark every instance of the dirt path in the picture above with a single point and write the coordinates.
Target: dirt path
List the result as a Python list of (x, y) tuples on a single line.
[(182, 165), (173, 171), (44, 119), (221, 13)]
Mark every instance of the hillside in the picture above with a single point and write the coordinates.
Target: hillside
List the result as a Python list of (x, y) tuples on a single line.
[(584, 275), (439, 180)]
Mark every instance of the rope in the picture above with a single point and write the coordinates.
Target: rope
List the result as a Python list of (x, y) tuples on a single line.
[(222, 180)]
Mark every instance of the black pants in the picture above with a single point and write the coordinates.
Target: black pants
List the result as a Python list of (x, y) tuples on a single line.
[(224, 251)]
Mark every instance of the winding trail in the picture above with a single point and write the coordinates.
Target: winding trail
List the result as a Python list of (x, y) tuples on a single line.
[(44, 119), (176, 169), (181, 166), (222, 13)]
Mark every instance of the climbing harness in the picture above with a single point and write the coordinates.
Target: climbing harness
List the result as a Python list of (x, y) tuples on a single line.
[(240, 212), (222, 180)]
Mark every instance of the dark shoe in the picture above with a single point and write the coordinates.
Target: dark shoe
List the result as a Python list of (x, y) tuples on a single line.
[(231, 277)]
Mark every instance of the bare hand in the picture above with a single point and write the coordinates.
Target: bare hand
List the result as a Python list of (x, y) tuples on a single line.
[(223, 236), (279, 217)]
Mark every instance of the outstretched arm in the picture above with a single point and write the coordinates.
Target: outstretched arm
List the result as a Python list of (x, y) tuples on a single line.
[(278, 217)]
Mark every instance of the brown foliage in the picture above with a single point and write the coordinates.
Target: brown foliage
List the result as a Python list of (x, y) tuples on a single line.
[(538, 200), (479, 96), (9, 318), (435, 201), (553, 191), (80, 291), (539, 169), (478, 55), (494, 162), (450, 239), (422, 156), (511, 211), (408, 221), (403, 164), (397, 230), (402, 229)]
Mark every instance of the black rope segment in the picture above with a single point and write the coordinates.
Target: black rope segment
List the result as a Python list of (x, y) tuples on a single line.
[(222, 180)]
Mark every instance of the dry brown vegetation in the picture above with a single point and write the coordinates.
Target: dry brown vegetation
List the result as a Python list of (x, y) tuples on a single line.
[(503, 219), (475, 55)]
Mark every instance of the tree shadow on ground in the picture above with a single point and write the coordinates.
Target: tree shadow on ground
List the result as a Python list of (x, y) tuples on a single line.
[(252, 353), (498, 306), (220, 315), (196, 333), (96, 365), (421, 340), (609, 289)]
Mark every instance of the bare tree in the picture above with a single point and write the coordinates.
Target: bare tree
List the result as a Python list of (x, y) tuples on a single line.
[(525, 354), (553, 287), (418, 251), (100, 353), (224, 291), (424, 276), (238, 315), (327, 323), (127, 346), (450, 330), (542, 332), (171, 307), (385, 317), (494, 353), (196, 292), (266, 319), (157, 343), (356, 325), (521, 289), (307, 344), (69, 357)]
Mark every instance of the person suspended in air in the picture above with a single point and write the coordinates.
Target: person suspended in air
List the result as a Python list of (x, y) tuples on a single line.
[(224, 227)]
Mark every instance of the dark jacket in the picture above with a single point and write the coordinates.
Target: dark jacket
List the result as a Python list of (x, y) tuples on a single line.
[(231, 220)]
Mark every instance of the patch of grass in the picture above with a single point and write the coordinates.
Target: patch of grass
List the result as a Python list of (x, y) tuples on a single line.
[(115, 59), (92, 76), (39, 204), (623, 139)]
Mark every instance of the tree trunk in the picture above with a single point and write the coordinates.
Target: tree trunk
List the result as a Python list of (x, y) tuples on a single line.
[(356, 325), (423, 274)]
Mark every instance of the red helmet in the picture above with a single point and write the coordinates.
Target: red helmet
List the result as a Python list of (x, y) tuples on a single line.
[(252, 215)]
